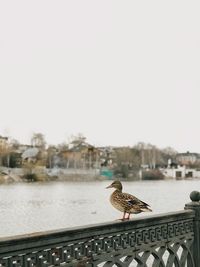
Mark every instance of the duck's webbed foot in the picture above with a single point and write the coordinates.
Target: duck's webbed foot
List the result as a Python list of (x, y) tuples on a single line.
[(126, 219)]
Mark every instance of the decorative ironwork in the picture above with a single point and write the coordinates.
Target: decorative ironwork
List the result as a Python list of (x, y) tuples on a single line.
[(158, 241)]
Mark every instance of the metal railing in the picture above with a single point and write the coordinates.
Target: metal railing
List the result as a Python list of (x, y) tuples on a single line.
[(166, 240)]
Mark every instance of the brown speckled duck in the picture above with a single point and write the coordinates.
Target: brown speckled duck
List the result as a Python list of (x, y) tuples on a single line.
[(126, 203)]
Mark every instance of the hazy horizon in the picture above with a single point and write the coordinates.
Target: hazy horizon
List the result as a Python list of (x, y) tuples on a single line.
[(117, 72)]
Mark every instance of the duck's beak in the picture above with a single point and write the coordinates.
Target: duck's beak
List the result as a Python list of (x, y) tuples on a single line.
[(110, 186)]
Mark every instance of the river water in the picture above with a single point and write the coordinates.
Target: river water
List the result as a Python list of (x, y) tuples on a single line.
[(33, 207)]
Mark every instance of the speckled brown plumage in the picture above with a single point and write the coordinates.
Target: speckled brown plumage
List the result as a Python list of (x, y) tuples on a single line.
[(126, 203)]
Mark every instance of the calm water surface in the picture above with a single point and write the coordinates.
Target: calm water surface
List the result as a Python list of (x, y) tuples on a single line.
[(27, 208)]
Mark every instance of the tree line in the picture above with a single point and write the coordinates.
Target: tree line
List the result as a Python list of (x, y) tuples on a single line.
[(119, 158)]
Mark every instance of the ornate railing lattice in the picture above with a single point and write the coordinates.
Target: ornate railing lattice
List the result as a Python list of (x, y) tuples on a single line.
[(157, 241)]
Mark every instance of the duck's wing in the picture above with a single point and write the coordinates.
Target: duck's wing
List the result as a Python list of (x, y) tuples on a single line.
[(132, 200)]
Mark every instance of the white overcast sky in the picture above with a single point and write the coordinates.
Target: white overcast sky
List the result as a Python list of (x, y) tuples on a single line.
[(119, 72)]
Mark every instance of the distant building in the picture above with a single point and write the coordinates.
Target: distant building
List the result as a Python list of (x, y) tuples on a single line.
[(21, 148), (30, 154), (107, 156), (187, 158), (80, 155), (181, 172), (183, 167)]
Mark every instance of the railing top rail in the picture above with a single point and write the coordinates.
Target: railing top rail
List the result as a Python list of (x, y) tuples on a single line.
[(105, 227), (42, 239)]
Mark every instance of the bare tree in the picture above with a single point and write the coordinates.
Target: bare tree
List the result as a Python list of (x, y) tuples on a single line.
[(4, 148), (78, 139), (51, 153), (38, 140)]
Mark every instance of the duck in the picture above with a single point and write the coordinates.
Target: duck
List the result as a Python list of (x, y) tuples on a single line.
[(126, 203)]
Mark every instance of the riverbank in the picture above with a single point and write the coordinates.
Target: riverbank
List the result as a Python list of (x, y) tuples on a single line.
[(41, 174)]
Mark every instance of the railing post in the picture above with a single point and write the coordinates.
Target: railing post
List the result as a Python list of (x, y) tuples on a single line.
[(195, 206)]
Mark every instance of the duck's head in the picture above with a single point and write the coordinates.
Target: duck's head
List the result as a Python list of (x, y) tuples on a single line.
[(116, 184)]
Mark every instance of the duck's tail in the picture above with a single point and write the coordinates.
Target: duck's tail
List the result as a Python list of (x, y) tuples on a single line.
[(146, 209)]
